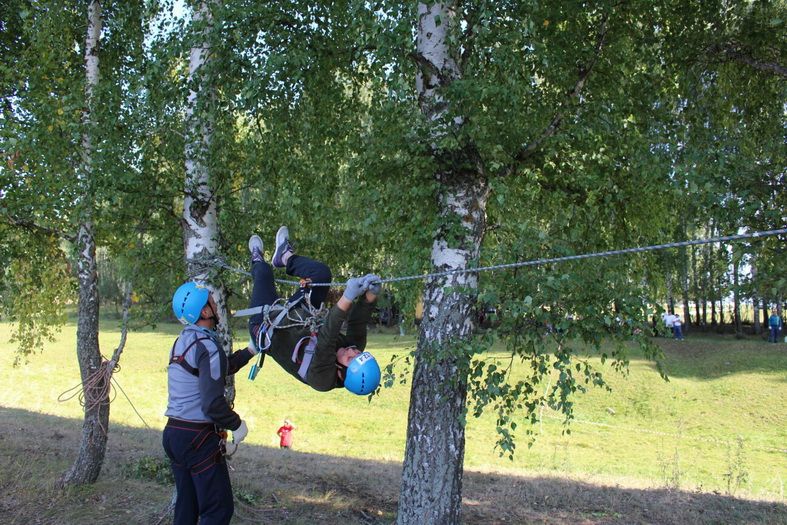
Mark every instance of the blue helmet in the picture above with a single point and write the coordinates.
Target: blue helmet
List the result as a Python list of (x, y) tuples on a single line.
[(363, 374), (188, 301)]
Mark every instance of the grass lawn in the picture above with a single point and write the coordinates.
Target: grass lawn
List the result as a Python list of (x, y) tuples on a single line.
[(717, 428)]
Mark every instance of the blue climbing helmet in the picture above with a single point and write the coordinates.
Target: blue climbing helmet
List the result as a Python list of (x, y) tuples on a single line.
[(188, 301), (363, 374)]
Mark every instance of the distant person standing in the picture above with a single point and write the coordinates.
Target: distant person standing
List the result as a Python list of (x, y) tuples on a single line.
[(677, 327), (285, 434), (669, 322), (775, 325)]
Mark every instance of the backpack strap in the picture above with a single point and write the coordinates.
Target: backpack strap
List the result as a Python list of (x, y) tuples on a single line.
[(181, 359)]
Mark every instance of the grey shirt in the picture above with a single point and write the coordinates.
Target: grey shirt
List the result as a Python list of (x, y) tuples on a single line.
[(200, 398)]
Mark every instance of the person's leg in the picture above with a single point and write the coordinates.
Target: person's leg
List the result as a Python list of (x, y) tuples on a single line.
[(305, 268), (263, 291), (176, 443), (215, 495), (211, 480)]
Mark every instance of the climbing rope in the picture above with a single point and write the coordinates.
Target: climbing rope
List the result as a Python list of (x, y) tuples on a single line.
[(99, 386), (221, 263)]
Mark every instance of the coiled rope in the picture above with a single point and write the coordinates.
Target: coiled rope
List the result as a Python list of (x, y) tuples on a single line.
[(99, 386)]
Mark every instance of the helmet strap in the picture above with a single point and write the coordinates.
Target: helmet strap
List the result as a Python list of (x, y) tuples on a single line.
[(213, 313)]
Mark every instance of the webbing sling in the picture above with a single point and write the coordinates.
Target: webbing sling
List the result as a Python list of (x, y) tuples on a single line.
[(265, 333)]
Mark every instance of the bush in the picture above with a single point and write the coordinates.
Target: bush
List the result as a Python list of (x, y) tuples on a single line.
[(150, 468)]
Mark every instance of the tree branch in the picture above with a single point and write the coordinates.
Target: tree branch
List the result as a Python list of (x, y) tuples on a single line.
[(736, 53), (428, 67), (37, 228), (584, 73)]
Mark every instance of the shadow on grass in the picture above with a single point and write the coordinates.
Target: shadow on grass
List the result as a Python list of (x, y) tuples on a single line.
[(284, 486)]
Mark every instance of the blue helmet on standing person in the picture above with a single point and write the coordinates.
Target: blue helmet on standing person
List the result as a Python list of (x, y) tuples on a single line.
[(189, 300), (363, 374)]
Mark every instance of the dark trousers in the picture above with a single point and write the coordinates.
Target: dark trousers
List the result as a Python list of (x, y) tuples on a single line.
[(201, 476), (264, 292), (773, 337)]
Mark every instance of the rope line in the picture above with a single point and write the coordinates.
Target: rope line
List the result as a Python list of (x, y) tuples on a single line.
[(219, 262)]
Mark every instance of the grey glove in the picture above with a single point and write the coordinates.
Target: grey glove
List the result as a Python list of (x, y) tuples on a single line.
[(354, 288), (372, 283)]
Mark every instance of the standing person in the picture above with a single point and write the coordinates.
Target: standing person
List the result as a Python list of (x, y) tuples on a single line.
[(197, 410), (669, 322), (324, 359), (285, 434), (775, 326), (677, 327)]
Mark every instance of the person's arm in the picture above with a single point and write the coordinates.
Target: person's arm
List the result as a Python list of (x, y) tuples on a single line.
[(212, 365), (322, 371), (357, 322), (238, 360)]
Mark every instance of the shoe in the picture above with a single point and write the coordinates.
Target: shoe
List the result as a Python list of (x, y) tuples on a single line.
[(255, 247), (283, 248)]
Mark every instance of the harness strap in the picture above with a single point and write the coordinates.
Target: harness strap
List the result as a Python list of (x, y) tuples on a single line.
[(308, 354), (181, 359), (264, 336)]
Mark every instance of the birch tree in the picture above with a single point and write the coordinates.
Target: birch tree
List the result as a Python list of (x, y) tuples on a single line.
[(200, 223), (543, 120), (432, 476), (67, 118), (88, 463)]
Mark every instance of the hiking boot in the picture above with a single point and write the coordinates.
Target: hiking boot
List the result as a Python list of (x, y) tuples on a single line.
[(255, 247), (283, 248)]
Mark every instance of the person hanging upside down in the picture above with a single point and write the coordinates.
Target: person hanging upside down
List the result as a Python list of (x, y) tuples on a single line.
[(325, 359)]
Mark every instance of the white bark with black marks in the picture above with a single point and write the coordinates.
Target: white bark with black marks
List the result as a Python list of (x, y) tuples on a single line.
[(200, 208), (431, 490), (92, 449)]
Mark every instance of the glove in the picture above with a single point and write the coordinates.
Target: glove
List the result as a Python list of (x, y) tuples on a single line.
[(354, 288), (371, 283), (240, 433)]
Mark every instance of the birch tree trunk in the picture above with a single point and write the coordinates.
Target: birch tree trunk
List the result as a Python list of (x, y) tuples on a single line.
[(431, 490), (92, 449), (200, 208)]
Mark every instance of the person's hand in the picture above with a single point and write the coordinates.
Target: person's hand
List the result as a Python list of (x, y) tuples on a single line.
[(251, 347), (240, 433), (354, 288), (372, 283)]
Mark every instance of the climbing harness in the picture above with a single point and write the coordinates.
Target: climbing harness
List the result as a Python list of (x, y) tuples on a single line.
[(283, 314), (181, 359)]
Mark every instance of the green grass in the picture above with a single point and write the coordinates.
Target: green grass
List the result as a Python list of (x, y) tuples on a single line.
[(684, 433)]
